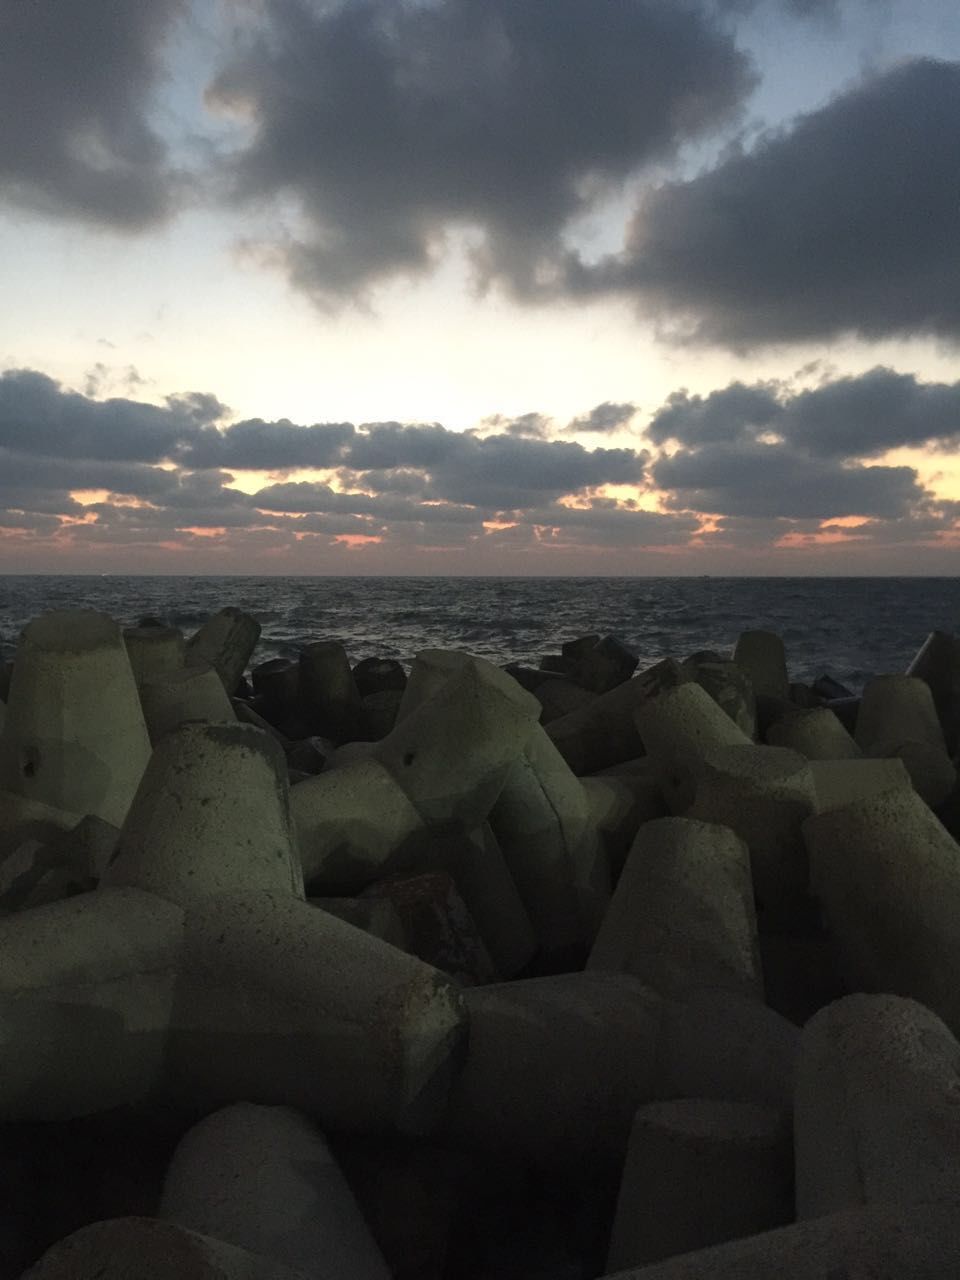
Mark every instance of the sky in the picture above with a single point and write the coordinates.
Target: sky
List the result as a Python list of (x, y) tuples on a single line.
[(525, 287)]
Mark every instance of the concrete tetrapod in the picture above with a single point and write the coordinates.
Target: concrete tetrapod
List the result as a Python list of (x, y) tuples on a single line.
[(678, 729), (609, 1044), (544, 825), (225, 642), (476, 862), (171, 698), (728, 684), (148, 1249), (816, 734), (354, 823), (604, 731), (897, 717), (840, 782), (887, 874), (761, 655), (263, 1179), (876, 1117), (700, 1172), (211, 815), (763, 794), (938, 664), (87, 987), (452, 754), (682, 916), (281, 1003), (329, 689), (541, 820), (154, 650), (74, 735), (879, 1243)]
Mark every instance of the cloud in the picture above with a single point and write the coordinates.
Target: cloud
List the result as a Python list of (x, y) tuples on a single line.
[(388, 124), (75, 81), (270, 446), (751, 479), (859, 416), (844, 223), (38, 416), (604, 417), (771, 462)]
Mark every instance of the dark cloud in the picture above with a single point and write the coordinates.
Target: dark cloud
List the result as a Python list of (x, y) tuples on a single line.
[(505, 473), (851, 417), (866, 415), (846, 222), (750, 479), (390, 124), (269, 446), (734, 413), (38, 416), (604, 417), (75, 80), (527, 424)]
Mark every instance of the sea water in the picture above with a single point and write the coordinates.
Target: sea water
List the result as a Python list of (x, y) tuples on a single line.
[(849, 628)]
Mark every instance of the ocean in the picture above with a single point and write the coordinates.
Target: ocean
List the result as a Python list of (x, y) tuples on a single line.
[(849, 628)]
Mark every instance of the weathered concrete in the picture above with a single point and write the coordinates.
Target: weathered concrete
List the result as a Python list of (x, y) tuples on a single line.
[(376, 916), (556, 1068), (897, 717), (74, 735), (728, 684), (379, 675), (882, 1243), (437, 925), (225, 642), (551, 845), (609, 1044), (452, 753), (86, 994), (559, 697), (152, 1250), (211, 815), (678, 729), (263, 1179), (618, 804), (154, 650), (937, 663), (700, 1172), (280, 1003), (876, 1115), (172, 698), (816, 734), (603, 732), (718, 1044), (841, 782), (61, 865), (476, 862), (682, 916), (761, 654), (329, 689), (353, 823), (887, 874), (763, 794)]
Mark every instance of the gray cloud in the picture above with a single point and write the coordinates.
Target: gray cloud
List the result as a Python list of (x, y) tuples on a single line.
[(851, 417), (421, 486), (749, 479), (40, 417), (390, 124), (74, 98), (846, 222), (270, 446), (604, 417)]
